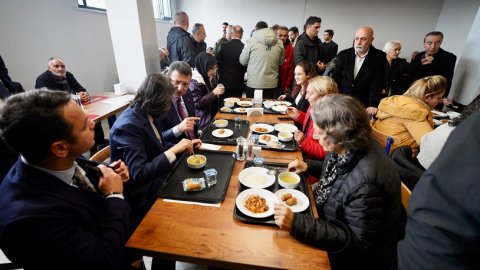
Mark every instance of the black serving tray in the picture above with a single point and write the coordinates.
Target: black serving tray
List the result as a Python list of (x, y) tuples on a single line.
[(289, 146), (207, 136), (273, 188), (222, 161)]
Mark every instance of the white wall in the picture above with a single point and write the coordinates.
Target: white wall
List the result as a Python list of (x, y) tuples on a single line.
[(33, 31)]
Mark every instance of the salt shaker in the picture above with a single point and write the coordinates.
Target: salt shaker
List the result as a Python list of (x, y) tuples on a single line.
[(250, 143), (240, 148)]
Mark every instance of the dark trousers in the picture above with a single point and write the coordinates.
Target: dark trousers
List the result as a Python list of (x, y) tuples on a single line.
[(270, 93), (407, 167)]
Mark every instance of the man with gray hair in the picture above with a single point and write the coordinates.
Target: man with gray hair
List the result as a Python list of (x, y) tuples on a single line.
[(198, 38), (230, 71), (179, 122), (179, 43)]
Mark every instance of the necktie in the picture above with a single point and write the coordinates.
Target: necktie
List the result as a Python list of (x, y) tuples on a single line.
[(183, 114), (82, 181)]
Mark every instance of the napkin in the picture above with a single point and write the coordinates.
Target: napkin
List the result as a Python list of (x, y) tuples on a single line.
[(209, 146), (197, 203)]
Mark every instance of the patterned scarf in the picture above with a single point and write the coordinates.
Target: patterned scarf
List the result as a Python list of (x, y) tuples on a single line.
[(322, 190)]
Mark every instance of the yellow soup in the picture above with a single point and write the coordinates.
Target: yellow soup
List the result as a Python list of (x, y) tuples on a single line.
[(289, 179)]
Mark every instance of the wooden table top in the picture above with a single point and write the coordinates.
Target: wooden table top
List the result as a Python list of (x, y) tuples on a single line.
[(213, 236), (105, 104)]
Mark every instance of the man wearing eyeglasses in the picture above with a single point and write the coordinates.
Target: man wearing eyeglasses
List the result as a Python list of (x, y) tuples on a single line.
[(180, 121)]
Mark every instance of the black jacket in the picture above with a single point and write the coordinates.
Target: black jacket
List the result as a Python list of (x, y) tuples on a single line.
[(230, 72), (309, 50), (367, 86), (49, 81), (443, 64), (397, 77), (180, 46), (359, 222), (9, 87)]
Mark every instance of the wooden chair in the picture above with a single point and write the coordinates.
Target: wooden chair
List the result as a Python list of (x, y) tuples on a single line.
[(405, 195), (102, 155), (384, 139)]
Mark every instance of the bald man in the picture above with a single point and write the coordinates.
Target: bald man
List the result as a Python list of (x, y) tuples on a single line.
[(179, 43), (360, 70)]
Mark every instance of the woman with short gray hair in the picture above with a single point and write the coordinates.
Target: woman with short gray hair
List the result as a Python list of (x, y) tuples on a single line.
[(358, 195)]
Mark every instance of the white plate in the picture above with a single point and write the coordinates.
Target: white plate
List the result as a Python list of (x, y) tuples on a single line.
[(266, 126), (285, 127), (269, 197), (453, 114), (302, 199), (244, 103), (231, 99), (279, 108), (227, 133), (437, 113), (283, 103), (238, 110), (226, 109), (256, 177), (272, 139)]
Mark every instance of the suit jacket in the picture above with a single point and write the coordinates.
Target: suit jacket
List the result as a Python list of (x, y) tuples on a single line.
[(303, 103), (230, 72), (11, 86), (133, 140), (367, 86), (47, 224), (49, 81), (173, 118), (443, 64)]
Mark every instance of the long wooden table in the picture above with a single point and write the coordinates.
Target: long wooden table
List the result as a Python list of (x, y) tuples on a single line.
[(105, 104), (213, 236)]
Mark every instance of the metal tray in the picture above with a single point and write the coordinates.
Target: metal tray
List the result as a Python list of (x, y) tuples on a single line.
[(289, 146), (273, 188), (207, 136), (222, 161)]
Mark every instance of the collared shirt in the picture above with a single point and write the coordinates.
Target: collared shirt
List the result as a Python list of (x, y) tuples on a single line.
[(65, 176), (177, 132), (359, 62)]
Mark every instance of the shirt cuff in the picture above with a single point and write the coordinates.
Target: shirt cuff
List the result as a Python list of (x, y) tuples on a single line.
[(170, 156), (176, 132), (120, 196)]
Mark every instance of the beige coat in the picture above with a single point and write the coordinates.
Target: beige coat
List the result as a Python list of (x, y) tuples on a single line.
[(406, 118)]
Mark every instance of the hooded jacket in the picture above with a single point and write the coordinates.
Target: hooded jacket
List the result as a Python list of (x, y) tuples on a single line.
[(263, 54), (308, 50), (405, 117), (180, 46)]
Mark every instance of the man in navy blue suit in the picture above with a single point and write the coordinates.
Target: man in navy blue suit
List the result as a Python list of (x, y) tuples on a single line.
[(57, 213), (175, 125)]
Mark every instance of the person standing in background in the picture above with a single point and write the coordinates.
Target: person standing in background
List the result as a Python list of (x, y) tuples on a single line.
[(286, 69), (293, 35), (179, 43), (198, 38), (330, 48), (309, 47), (7, 86)]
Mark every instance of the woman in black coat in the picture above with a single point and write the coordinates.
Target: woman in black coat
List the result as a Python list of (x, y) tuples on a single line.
[(358, 195), (397, 70)]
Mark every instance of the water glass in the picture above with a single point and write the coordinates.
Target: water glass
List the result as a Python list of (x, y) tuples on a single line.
[(238, 121)]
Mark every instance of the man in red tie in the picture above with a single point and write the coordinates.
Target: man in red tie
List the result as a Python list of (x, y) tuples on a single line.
[(180, 120)]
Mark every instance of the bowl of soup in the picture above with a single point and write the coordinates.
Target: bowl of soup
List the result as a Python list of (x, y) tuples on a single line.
[(288, 179), (285, 136), (221, 123), (197, 161)]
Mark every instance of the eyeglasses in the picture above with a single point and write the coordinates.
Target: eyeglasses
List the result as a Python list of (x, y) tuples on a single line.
[(182, 84)]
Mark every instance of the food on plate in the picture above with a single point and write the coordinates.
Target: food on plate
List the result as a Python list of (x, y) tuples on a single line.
[(261, 129), (194, 184), (242, 110), (221, 131), (256, 204), (225, 109), (286, 196), (266, 138), (291, 201)]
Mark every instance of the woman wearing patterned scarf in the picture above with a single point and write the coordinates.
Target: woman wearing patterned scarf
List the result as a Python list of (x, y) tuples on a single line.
[(358, 195)]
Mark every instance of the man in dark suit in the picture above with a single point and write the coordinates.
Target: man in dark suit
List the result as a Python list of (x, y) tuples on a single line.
[(7, 86), (434, 60), (58, 78), (360, 70), (177, 125), (56, 214), (230, 72)]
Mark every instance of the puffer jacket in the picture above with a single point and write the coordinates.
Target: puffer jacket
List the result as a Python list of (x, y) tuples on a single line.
[(206, 103), (180, 46), (406, 118), (360, 219), (263, 54)]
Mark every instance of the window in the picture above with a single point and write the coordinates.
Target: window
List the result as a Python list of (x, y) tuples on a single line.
[(161, 8)]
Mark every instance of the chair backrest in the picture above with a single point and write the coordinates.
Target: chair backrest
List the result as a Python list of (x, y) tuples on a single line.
[(405, 195), (384, 138), (102, 155)]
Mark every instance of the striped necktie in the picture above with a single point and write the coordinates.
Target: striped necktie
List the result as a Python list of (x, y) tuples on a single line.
[(82, 182)]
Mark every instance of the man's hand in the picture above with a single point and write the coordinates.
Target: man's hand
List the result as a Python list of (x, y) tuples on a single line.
[(321, 66), (109, 181), (188, 124), (121, 169), (181, 146)]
